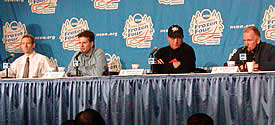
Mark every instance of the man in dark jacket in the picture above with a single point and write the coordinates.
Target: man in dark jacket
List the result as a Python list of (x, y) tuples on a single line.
[(261, 53), (178, 57)]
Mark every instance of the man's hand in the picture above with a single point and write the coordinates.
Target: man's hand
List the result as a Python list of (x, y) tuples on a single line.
[(256, 67), (242, 67), (160, 61), (176, 64)]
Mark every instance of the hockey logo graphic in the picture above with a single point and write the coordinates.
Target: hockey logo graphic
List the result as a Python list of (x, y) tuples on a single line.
[(106, 4), (43, 6), (113, 62), (269, 23), (12, 34), (69, 32), (206, 27), (171, 2), (138, 31)]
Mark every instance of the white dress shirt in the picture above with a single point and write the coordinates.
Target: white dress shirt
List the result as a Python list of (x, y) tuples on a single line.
[(39, 65)]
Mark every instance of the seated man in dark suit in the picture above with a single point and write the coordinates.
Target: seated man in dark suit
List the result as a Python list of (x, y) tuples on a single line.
[(262, 53)]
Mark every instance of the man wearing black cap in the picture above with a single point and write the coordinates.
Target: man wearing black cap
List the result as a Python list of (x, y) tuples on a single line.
[(178, 57)]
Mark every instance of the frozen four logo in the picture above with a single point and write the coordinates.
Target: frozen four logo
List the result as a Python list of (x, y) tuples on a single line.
[(43, 6), (12, 34), (106, 4), (138, 31), (113, 62), (171, 2), (69, 32), (269, 23), (206, 27)]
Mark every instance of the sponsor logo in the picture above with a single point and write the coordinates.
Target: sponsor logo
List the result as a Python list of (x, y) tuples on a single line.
[(240, 26), (106, 4), (12, 34), (44, 37), (138, 31), (171, 2), (113, 62), (6, 65), (242, 56), (13, 0), (206, 27), (69, 32), (107, 34), (269, 23), (163, 31), (43, 6)]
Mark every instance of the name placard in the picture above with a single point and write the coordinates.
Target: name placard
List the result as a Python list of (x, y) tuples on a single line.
[(126, 72), (231, 69), (54, 75)]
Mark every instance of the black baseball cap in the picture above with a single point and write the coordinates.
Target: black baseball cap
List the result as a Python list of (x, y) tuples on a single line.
[(175, 31)]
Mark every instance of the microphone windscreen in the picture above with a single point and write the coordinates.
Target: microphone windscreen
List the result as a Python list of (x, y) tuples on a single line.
[(154, 49)]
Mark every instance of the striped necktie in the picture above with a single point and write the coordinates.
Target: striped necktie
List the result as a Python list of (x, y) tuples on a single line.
[(26, 69)]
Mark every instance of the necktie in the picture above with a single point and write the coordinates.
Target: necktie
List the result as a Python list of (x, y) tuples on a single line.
[(26, 69)]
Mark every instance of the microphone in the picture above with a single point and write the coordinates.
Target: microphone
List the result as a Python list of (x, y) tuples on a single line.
[(243, 54), (77, 55), (244, 48), (154, 50), (11, 56), (152, 60), (76, 63), (243, 58)]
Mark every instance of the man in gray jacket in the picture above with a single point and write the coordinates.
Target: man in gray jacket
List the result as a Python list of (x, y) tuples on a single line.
[(92, 60)]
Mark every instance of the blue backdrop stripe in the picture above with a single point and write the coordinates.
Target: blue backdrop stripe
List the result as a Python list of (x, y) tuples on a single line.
[(200, 19)]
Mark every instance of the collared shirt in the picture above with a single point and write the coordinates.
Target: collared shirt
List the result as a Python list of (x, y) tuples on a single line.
[(93, 64), (263, 54), (39, 65)]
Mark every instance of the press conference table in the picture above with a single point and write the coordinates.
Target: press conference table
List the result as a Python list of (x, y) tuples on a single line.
[(242, 98)]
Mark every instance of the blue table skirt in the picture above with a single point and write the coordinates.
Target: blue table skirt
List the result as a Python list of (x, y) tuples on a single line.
[(239, 99)]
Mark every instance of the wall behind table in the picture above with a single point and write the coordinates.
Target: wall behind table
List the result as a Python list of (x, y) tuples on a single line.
[(107, 20)]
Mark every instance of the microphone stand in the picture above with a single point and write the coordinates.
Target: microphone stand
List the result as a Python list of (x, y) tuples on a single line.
[(7, 71), (153, 66), (76, 61), (77, 71), (76, 64), (6, 62), (244, 50)]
